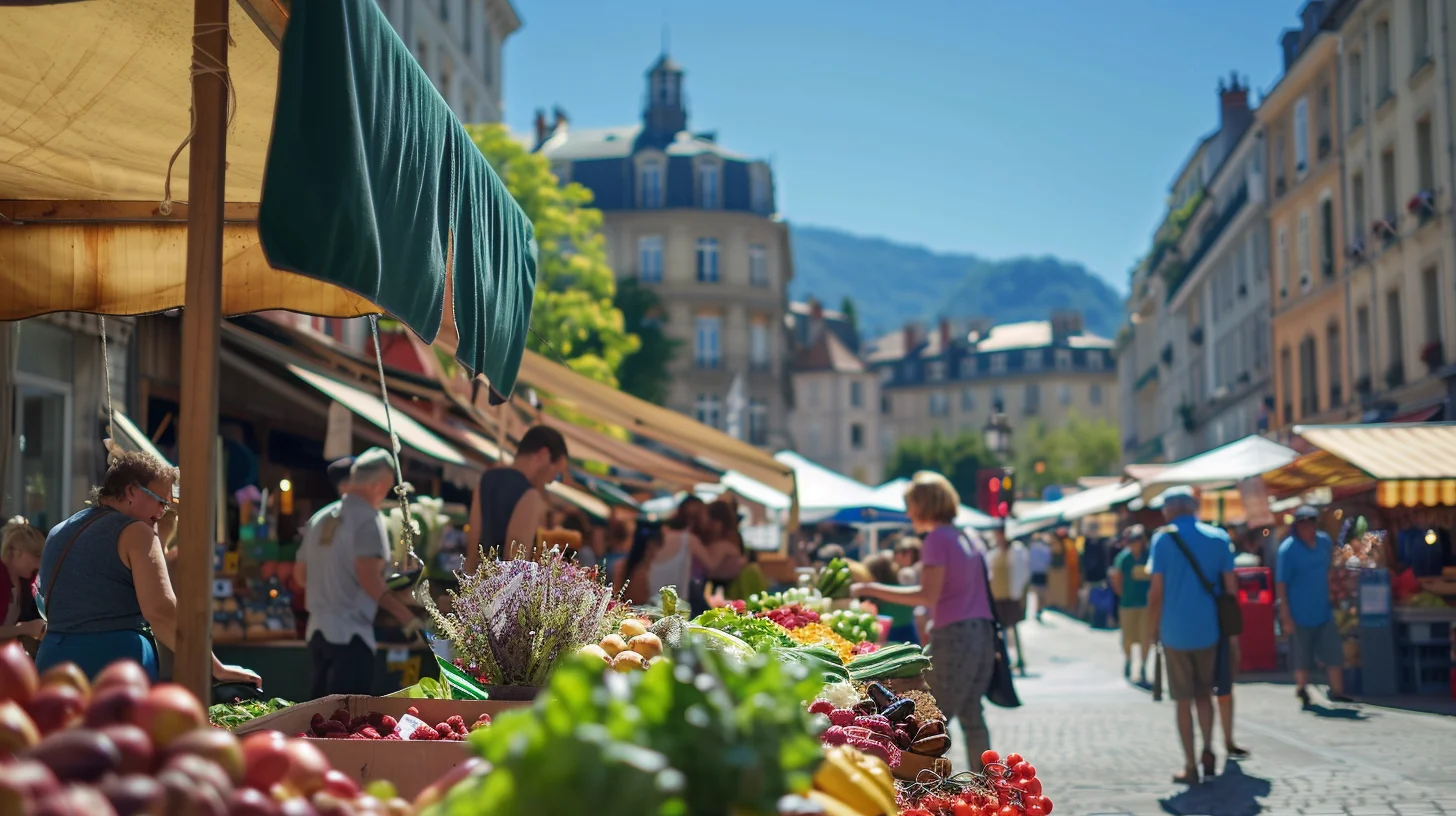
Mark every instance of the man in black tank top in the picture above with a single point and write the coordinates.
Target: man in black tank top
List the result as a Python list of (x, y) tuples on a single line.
[(510, 502)]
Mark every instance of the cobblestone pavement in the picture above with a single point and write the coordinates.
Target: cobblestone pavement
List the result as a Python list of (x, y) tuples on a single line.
[(1101, 746)]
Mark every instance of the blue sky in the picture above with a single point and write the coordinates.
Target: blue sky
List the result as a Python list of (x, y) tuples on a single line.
[(998, 128)]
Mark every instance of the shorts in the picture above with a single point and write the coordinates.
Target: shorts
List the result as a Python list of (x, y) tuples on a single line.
[(1317, 644), (1134, 622), (1190, 672), (1039, 579), (1010, 612)]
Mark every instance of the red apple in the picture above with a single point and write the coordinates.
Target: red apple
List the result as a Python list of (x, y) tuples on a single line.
[(134, 745), (74, 801), (264, 759), (433, 793), (169, 711), (77, 755), (213, 744), (25, 781), (57, 706), (250, 802), (203, 772), (18, 680), (134, 795), (115, 704), (17, 730), (122, 673), (184, 795), (67, 674), (306, 766), (297, 806), (337, 783), (326, 804)]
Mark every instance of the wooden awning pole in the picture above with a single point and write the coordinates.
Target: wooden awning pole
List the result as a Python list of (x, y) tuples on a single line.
[(201, 337)]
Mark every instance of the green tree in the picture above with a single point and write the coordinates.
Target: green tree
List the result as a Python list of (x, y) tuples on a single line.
[(643, 373), (574, 317), (851, 314), (1080, 448), (959, 458)]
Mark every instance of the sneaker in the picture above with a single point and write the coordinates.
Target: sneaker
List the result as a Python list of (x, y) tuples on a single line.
[(1303, 695), (1235, 752), (1340, 698)]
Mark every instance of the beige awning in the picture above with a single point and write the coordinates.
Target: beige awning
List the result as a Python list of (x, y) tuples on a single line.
[(372, 409), (81, 221), (1390, 451)]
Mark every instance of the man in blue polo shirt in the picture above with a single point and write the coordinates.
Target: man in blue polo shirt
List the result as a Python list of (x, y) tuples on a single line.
[(1183, 616), (1302, 580)]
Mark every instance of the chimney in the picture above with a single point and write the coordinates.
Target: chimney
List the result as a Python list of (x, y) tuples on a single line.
[(816, 320), (816, 309), (945, 334), (912, 337), (1291, 43), (541, 131), (1234, 115), (559, 121), (1065, 323)]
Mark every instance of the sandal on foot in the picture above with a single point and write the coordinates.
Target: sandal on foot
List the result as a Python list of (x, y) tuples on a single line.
[(1210, 764), (1188, 777), (1235, 752)]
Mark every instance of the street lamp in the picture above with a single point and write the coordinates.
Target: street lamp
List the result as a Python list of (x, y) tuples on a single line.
[(997, 434)]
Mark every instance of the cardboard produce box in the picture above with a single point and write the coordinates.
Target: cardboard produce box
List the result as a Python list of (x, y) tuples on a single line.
[(411, 766)]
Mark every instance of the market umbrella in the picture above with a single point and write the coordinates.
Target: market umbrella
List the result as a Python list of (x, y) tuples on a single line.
[(156, 154)]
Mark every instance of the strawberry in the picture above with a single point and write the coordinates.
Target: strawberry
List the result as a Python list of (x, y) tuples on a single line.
[(821, 707), (369, 732), (425, 732), (387, 725), (456, 723), (412, 711), (841, 716), (485, 718), (358, 723), (394, 736), (443, 728), (316, 721), (341, 717)]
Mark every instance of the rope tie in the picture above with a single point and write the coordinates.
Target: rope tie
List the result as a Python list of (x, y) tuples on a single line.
[(106, 375), (208, 64), (401, 488)]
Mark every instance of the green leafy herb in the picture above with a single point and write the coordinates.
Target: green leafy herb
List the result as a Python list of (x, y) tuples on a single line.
[(760, 633), (232, 715)]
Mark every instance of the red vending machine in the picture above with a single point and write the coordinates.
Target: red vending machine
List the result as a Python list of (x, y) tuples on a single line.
[(1258, 651)]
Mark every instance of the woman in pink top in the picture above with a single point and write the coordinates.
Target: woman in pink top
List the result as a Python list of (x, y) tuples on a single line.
[(953, 586)]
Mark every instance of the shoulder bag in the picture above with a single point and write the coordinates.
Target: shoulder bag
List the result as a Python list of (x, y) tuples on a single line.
[(1002, 690), (1230, 617)]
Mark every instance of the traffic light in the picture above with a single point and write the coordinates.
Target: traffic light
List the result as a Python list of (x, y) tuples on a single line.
[(995, 492)]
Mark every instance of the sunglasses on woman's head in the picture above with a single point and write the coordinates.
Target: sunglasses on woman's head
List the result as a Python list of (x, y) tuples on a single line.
[(167, 507)]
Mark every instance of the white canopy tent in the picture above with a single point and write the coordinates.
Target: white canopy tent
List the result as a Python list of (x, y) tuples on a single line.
[(1251, 456), (1088, 502), (892, 494), (825, 495)]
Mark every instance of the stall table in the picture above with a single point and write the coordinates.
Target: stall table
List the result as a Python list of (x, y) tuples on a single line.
[(283, 665)]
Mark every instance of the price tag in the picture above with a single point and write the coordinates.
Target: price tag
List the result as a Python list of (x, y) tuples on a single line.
[(407, 725), (396, 655)]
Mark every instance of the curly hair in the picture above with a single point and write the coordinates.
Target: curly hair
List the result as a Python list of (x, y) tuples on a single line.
[(129, 468)]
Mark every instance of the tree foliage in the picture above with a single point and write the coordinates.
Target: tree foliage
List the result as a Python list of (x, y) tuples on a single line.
[(958, 458), (851, 314), (1045, 457), (574, 317), (643, 373)]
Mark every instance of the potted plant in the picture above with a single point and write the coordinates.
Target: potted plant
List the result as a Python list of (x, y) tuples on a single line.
[(1356, 251), (1423, 206), (1185, 413), (1385, 230), (1433, 354)]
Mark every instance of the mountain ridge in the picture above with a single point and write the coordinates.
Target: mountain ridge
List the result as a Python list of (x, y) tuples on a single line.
[(831, 263)]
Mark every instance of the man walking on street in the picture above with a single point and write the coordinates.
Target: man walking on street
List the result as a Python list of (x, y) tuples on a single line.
[(1129, 576), (509, 507), (1190, 564), (1302, 582), (1039, 560), (342, 564)]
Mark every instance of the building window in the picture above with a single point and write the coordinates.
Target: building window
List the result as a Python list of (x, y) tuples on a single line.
[(467, 25), (1032, 403), (1387, 185), (813, 398), (758, 352), (708, 186), (1362, 345), (1064, 394), (707, 260), (856, 436), (939, 404), (651, 183), (1095, 360), (968, 400), (1355, 81), (811, 440), (1286, 384), (757, 265), (1357, 206), (1431, 302), (998, 363), (998, 399), (760, 190), (856, 394), (1301, 137), (968, 367), (1306, 252), (1420, 33), (1064, 359), (1308, 378), (1425, 157), (709, 410), (1332, 356), (707, 351), (935, 370), (1283, 270), (487, 53), (1031, 360), (1384, 87), (444, 11), (757, 422), (886, 406), (1327, 237), (1094, 394), (649, 259), (1395, 373)]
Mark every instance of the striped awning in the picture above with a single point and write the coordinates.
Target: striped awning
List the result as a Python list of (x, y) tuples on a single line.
[(1401, 451)]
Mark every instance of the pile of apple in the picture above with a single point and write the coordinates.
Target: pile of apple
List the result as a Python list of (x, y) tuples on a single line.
[(633, 647), (126, 748)]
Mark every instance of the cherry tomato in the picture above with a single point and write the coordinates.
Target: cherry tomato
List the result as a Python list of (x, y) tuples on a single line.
[(1012, 759), (1027, 770), (1035, 809), (1046, 805), (964, 809), (989, 757), (1033, 786), (1008, 810)]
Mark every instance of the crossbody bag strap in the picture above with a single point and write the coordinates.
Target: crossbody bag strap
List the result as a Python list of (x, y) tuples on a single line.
[(1193, 562), (986, 573), (56, 573)]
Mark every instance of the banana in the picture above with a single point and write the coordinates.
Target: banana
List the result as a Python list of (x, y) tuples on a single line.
[(843, 776), (832, 806)]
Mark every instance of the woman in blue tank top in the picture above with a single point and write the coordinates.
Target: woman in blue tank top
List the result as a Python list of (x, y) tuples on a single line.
[(103, 583)]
